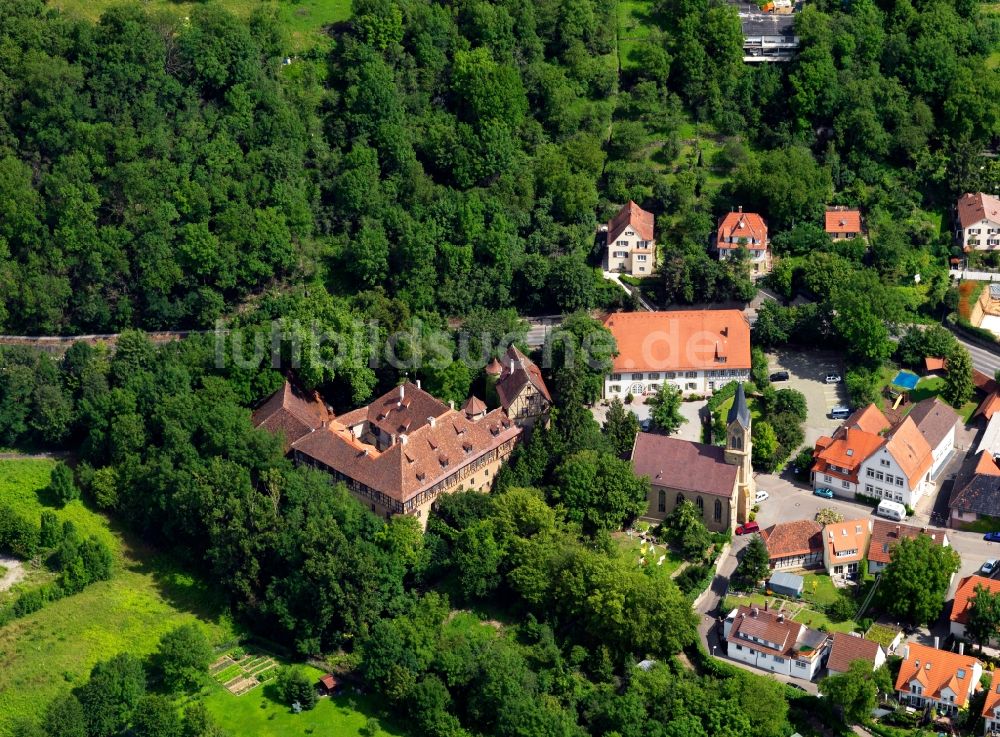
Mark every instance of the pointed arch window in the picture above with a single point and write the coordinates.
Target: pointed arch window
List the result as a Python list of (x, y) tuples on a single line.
[(661, 502), (680, 500), (718, 511), (701, 504), (736, 441)]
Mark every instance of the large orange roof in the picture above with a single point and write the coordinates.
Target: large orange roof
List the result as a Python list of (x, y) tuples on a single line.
[(910, 450), (936, 670), (748, 225), (682, 340), (843, 221), (966, 592)]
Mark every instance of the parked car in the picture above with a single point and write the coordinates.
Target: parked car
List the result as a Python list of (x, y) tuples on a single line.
[(645, 425), (832, 379), (761, 496), (840, 412), (989, 566), (824, 492), (780, 376), (747, 528), (993, 537)]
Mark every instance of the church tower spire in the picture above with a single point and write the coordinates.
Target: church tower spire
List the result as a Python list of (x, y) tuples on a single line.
[(739, 450)]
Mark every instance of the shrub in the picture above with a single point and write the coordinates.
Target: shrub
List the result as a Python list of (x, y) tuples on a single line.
[(61, 484), (294, 687), (842, 609)]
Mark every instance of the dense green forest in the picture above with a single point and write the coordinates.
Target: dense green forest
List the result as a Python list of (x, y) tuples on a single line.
[(449, 160), (156, 171)]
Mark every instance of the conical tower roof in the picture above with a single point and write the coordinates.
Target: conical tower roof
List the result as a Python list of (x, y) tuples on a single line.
[(739, 412)]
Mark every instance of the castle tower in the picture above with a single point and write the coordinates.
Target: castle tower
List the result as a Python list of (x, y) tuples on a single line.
[(739, 448)]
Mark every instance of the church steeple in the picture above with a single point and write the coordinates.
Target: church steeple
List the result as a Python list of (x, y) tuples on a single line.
[(739, 452)]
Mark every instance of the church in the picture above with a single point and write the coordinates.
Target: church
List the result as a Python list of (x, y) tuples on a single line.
[(718, 481)]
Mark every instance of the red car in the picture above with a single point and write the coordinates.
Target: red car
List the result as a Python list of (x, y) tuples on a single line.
[(748, 528)]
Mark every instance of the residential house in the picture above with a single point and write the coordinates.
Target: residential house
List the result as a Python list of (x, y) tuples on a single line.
[(631, 242), (937, 422), (797, 544), (772, 642), (520, 388), (744, 230), (991, 710), (900, 469), (838, 458), (768, 37), (937, 678), (845, 545), (887, 534), (962, 603), (868, 455), (718, 481), (843, 223), (696, 351), (976, 492), (399, 453), (977, 222), (846, 648)]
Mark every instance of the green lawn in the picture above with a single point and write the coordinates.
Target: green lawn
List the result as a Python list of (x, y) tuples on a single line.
[(304, 20), (819, 589), (258, 714), (631, 550), (54, 649), (882, 634), (800, 611)]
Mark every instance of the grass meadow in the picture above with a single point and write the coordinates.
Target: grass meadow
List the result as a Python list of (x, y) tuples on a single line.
[(53, 650), (304, 20)]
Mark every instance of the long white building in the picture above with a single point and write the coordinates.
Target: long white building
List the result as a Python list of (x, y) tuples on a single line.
[(697, 351)]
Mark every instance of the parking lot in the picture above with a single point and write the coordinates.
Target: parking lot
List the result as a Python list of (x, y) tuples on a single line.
[(807, 371)]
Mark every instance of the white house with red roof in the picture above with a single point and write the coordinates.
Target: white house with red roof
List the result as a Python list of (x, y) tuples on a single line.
[(744, 230), (842, 223), (961, 607), (977, 222), (631, 241), (991, 710), (773, 642)]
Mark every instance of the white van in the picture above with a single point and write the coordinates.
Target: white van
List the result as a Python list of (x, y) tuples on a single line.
[(840, 412), (891, 510)]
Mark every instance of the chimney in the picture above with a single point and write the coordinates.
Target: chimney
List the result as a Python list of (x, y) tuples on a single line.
[(431, 421), (451, 404), (403, 438), (402, 392), (418, 383), (765, 605), (740, 208), (781, 617), (937, 641), (961, 648), (754, 612)]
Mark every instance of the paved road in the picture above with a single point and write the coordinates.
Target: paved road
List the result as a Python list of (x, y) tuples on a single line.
[(982, 359), (977, 275)]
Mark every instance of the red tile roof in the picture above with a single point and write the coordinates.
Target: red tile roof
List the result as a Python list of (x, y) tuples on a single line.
[(632, 215), (984, 382), (966, 591), (910, 450), (886, 535), (845, 537), (843, 220), (432, 451), (681, 340), (740, 225), (517, 371), (869, 419), (936, 670), (976, 207), (404, 409), (933, 363), (787, 539), (848, 648), (792, 639), (992, 698), (292, 412)]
